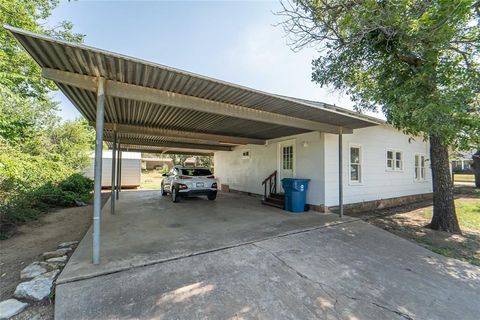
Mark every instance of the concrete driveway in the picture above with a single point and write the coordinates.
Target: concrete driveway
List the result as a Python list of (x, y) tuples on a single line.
[(305, 267)]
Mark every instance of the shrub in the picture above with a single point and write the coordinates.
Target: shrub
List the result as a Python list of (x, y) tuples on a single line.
[(29, 185), (77, 184)]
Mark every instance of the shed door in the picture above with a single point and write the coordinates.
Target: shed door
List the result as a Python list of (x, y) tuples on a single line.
[(286, 163)]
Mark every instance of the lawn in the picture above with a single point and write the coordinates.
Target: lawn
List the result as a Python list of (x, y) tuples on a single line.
[(464, 178), (468, 213), (151, 179), (410, 222)]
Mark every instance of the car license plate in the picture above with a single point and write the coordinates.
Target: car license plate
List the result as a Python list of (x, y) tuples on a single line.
[(200, 185)]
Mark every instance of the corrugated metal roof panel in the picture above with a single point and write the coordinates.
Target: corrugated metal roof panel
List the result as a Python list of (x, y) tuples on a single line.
[(64, 56)]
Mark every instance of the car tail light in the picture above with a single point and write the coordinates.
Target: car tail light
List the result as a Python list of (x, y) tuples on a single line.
[(214, 185), (185, 177), (211, 177), (182, 186)]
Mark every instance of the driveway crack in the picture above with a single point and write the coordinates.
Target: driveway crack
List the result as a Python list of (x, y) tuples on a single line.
[(303, 276), (332, 289)]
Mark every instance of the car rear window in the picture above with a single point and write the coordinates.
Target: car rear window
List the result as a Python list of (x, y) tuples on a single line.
[(196, 172)]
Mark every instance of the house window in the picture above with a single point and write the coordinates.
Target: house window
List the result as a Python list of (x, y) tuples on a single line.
[(394, 160), (355, 164), (246, 154), (287, 158), (419, 167)]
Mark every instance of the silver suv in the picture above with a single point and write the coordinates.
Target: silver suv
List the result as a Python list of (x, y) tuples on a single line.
[(189, 181)]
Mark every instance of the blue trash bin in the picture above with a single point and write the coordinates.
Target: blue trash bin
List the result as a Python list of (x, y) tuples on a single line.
[(295, 194)]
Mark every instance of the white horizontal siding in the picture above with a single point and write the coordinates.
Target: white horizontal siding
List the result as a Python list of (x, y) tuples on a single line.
[(247, 174), (317, 159), (377, 182)]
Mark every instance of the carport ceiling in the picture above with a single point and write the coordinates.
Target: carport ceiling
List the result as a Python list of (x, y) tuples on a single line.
[(142, 95), (162, 150)]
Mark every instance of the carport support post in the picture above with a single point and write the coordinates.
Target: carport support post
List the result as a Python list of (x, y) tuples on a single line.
[(119, 166), (97, 198), (112, 196), (340, 172), (120, 173)]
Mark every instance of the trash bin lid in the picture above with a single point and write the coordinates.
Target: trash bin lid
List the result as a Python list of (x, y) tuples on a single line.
[(295, 183)]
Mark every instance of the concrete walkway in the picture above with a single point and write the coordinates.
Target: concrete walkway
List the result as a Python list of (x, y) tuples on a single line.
[(301, 268)]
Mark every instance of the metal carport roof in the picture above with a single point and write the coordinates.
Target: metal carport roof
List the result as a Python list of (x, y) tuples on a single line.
[(144, 98), (149, 106)]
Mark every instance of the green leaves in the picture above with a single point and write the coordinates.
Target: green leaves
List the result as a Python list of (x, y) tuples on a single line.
[(417, 61), (38, 153)]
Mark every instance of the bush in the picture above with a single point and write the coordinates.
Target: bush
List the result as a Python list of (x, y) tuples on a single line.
[(77, 184), (29, 185)]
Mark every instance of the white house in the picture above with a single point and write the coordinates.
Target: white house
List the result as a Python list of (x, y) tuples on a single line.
[(149, 107), (462, 161), (381, 163)]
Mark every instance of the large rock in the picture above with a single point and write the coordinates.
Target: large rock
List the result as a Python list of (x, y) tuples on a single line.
[(56, 253), (32, 270), (67, 244), (11, 307), (51, 275), (37, 289), (58, 260)]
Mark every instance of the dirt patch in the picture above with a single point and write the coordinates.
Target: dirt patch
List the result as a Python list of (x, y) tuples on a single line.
[(34, 238), (410, 222)]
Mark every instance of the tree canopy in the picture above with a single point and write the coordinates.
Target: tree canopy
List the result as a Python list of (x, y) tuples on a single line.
[(415, 60), (25, 102)]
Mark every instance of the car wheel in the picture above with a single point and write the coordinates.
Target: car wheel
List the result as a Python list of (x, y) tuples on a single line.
[(175, 196), (212, 196), (164, 193)]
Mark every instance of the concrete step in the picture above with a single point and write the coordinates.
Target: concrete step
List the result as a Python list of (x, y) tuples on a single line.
[(278, 203), (277, 196)]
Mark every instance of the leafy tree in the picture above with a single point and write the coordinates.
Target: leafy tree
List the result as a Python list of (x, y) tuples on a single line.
[(71, 142), (25, 104), (416, 60), (205, 161), (39, 155)]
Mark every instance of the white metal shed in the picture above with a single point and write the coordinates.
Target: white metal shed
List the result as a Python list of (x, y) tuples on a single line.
[(131, 169)]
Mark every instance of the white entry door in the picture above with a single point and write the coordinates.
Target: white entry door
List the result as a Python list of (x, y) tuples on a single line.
[(286, 161)]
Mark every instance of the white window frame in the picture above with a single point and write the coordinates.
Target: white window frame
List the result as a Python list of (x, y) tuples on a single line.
[(360, 164), (246, 154), (394, 160), (423, 170)]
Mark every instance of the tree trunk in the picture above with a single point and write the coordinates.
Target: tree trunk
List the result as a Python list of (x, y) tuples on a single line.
[(444, 217), (476, 168)]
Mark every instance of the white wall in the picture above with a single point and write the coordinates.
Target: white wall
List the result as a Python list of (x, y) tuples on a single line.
[(131, 169), (318, 161), (377, 182), (247, 174)]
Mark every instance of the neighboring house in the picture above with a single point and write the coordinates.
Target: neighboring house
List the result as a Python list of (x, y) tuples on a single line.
[(380, 163), (156, 163), (131, 169), (190, 162), (462, 161)]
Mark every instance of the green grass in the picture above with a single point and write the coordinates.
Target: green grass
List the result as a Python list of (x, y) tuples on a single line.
[(464, 178), (151, 179), (468, 213)]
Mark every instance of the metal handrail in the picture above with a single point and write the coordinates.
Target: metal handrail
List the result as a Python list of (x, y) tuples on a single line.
[(271, 180)]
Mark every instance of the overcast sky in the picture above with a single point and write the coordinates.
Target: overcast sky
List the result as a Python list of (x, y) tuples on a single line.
[(231, 41)]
